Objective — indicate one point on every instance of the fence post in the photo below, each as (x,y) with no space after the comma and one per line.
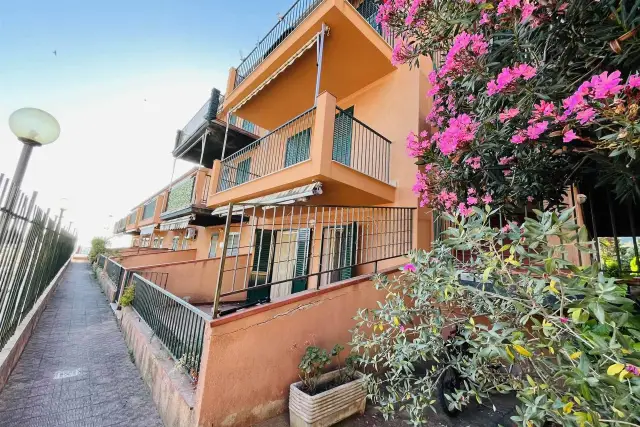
(218,289)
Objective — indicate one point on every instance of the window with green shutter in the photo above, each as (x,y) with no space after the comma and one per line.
(261,259)
(297,149)
(149,209)
(232,119)
(302,261)
(242,174)
(342,136)
(248,126)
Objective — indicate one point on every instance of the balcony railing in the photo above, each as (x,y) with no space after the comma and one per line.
(285,26)
(101,261)
(179,325)
(181,195)
(290,246)
(286,146)
(359,147)
(368,9)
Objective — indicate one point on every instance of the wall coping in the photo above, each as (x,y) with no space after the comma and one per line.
(193,261)
(300,296)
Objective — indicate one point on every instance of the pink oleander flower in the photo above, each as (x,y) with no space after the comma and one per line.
(464,210)
(507,5)
(632,369)
(535,130)
(530,198)
(634,81)
(518,138)
(461,130)
(507,76)
(447,199)
(508,114)
(473,162)
(527,11)
(402,328)
(484,18)
(506,228)
(472,200)
(410,267)
(586,116)
(471,98)
(402,52)
(569,136)
(564,320)
(464,53)
(506,160)
(471,191)
(487,198)
(543,109)
(605,84)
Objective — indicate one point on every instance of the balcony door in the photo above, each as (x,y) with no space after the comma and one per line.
(338,253)
(297,149)
(342,137)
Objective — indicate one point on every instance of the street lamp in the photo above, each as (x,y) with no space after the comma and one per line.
(34,128)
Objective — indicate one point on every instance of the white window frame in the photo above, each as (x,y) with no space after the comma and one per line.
(233,245)
(175,243)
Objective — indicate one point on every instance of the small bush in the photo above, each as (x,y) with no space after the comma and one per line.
(128,295)
(98,247)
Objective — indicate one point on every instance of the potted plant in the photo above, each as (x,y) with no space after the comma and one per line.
(322,399)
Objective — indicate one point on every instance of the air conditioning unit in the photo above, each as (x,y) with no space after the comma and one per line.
(191,233)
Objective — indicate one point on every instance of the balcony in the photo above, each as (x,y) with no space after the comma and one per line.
(277,80)
(208,123)
(132,222)
(186,203)
(120,226)
(324,144)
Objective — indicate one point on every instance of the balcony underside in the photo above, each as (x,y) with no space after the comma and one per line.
(354,57)
(199,216)
(191,149)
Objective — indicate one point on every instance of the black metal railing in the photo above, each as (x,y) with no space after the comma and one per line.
(116,273)
(286,146)
(33,249)
(368,9)
(179,325)
(359,147)
(290,248)
(101,260)
(285,26)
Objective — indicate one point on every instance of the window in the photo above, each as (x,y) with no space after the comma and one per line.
(234,244)
(248,126)
(174,244)
(242,174)
(233,119)
(185,243)
(297,148)
(213,246)
(149,209)
(161,242)
(342,137)
(146,241)
(225,180)
(155,242)
(135,242)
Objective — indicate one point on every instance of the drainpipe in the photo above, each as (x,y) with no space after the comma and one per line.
(319,51)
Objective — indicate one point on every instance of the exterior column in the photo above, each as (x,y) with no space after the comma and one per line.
(322,138)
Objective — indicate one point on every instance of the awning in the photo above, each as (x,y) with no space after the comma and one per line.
(280,198)
(275,74)
(176,224)
(146,231)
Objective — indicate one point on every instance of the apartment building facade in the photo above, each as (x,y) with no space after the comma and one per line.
(301,190)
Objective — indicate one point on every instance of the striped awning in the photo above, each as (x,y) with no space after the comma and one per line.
(283,67)
(280,198)
(176,224)
(147,230)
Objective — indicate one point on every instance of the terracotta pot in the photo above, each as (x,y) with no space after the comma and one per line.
(329,407)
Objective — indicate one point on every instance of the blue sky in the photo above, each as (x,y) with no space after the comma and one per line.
(127,74)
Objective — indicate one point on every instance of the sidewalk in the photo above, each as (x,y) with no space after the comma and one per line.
(76,369)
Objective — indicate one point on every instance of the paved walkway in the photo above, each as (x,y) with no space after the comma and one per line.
(76,369)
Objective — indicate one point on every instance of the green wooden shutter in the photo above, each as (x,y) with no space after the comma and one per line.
(242,174)
(232,119)
(342,137)
(347,252)
(302,260)
(261,256)
(297,149)
(225,181)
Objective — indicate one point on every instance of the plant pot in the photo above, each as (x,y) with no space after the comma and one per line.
(330,406)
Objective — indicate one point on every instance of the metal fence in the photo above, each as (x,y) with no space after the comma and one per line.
(286,146)
(278,250)
(179,325)
(285,26)
(101,260)
(359,147)
(611,227)
(33,248)
(116,273)
(368,9)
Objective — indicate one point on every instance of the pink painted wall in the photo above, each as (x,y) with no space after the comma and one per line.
(251,357)
(161,257)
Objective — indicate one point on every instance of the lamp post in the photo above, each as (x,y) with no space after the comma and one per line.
(34,128)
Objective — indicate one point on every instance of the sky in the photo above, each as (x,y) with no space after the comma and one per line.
(121,77)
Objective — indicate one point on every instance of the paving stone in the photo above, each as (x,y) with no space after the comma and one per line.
(75,370)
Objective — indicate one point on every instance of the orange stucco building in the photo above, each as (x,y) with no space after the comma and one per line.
(301,189)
